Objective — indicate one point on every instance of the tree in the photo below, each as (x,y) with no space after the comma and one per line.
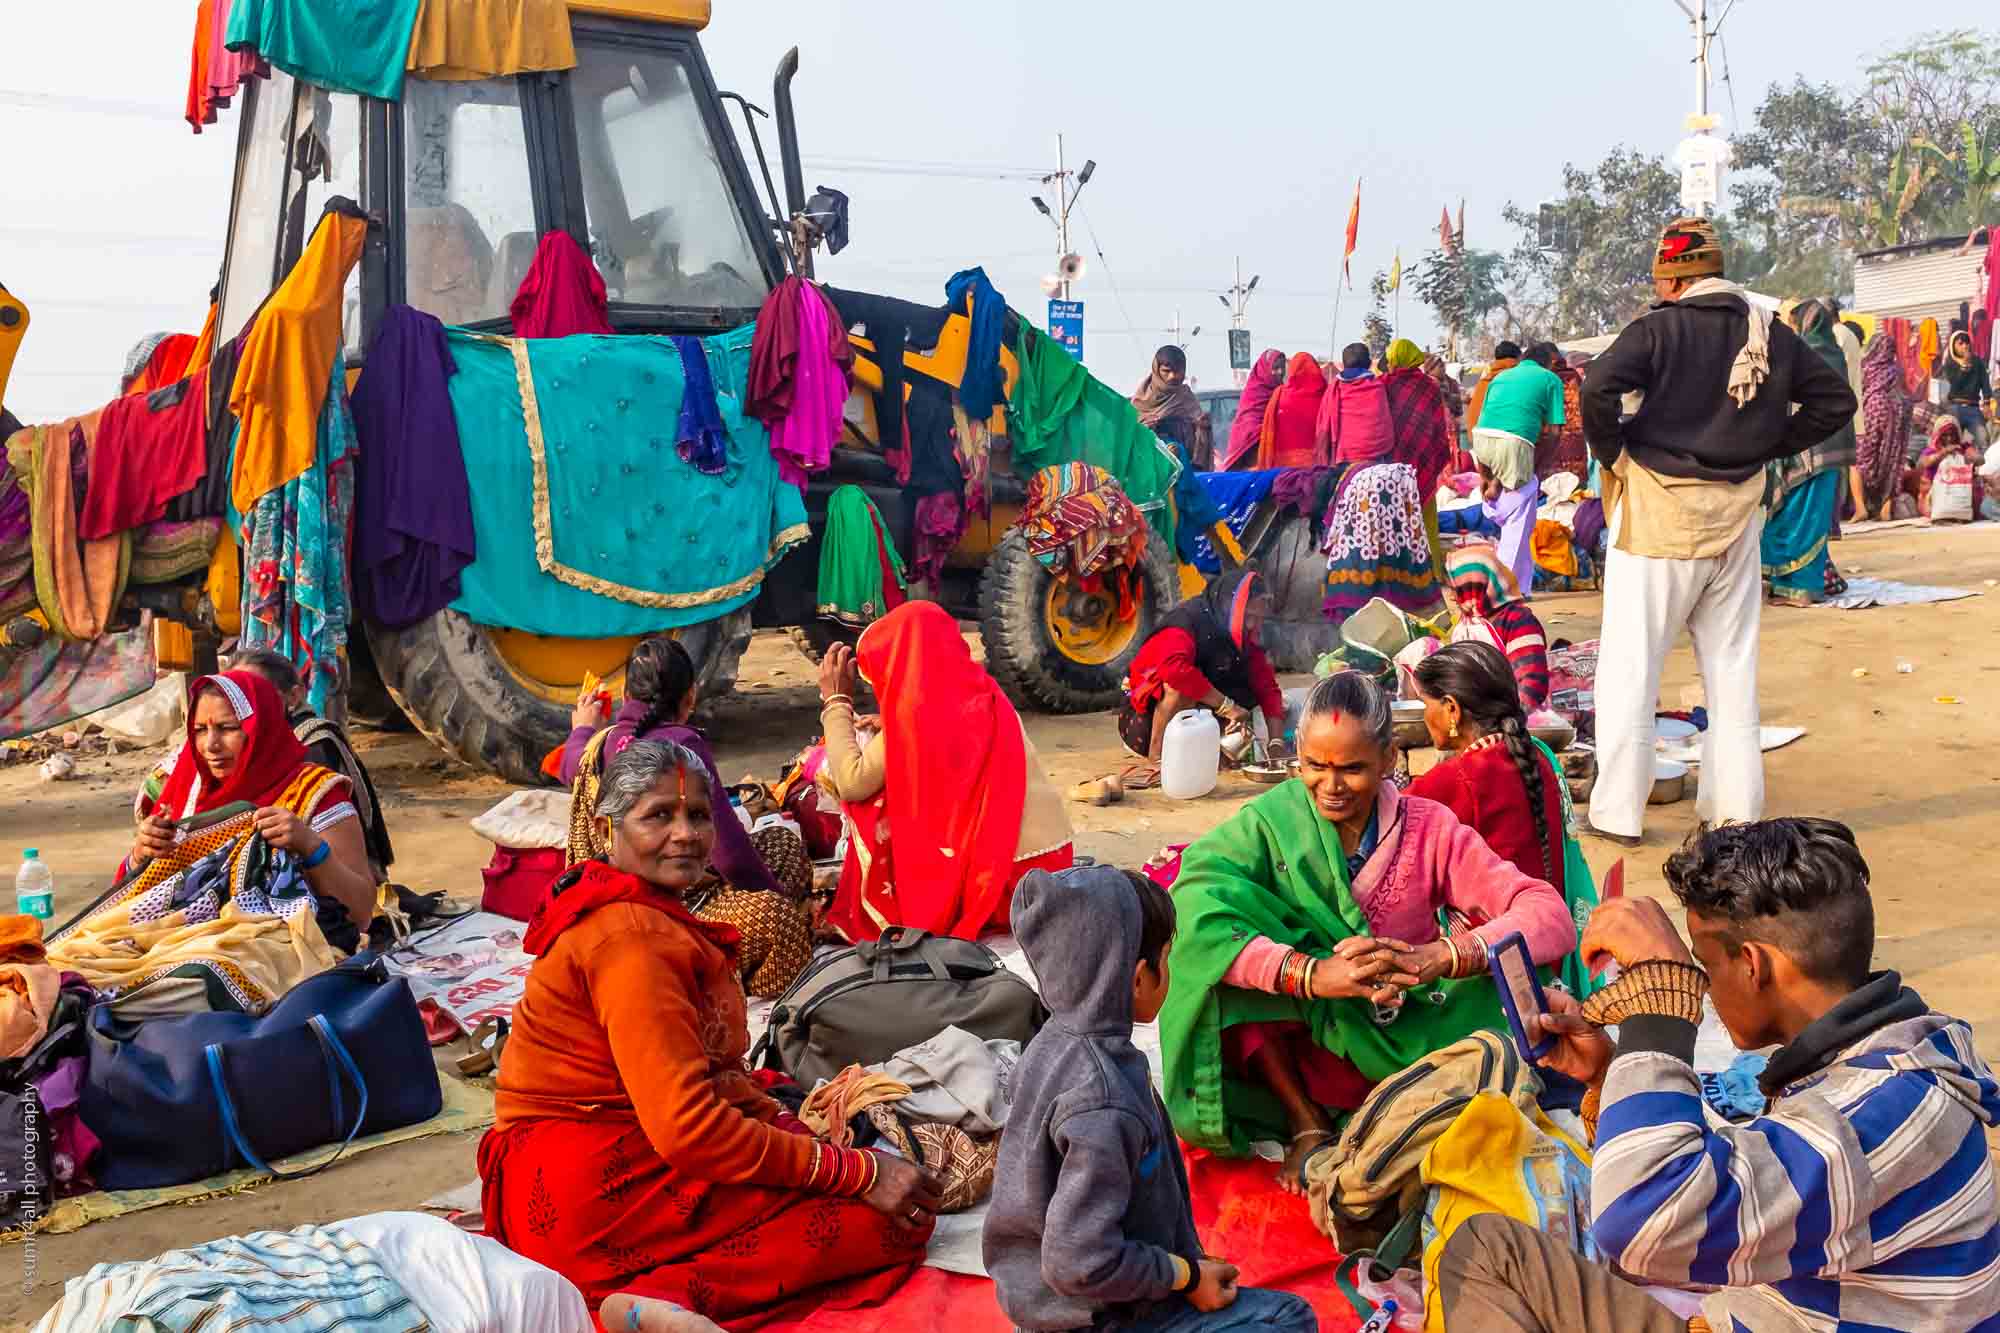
(1816,153)
(1599,273)
(1975,174)
(1376,330)
(1462,287)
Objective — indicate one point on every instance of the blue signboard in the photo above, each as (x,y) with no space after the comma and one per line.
(1066,325)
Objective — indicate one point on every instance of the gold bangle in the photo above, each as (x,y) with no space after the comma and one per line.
(1451,970)
(832,699)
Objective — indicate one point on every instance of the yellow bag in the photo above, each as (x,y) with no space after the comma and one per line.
(1497,1158)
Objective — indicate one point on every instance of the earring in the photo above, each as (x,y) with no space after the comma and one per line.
(1454,731)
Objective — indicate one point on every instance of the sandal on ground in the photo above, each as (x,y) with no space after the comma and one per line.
(1098,791)
(1140,777)
(488,1040)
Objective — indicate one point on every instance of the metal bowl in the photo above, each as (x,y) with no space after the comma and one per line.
(1268,774)
(1555,733)
(1407,716)
(1670,782)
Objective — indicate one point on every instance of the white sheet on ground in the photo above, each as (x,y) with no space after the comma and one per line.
(1862,593)
(1687,749)
(466,1283)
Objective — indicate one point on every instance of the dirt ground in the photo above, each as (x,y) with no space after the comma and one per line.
(1916,778)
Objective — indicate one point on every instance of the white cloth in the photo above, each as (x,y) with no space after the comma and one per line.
(1752,365)
(469,1284)
(1646,603)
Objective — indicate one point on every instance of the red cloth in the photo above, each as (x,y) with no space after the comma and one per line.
(563,293)
(518,879)
(956,783)
(1354,425)
(1422,425)
(167,365)
(606,1211)
(1329,1080)
(144,455)
(774,352)
(1292,417)
(271,757)
(1484,789)
(1167,661)
(1982,330)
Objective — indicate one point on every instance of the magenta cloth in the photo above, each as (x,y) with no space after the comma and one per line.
(941,521)
(1982,330)
(413,535)
(802,439)
(229,70)
(1329,1080)
(71,1146)
(1355,424)
(563,293)
(734,858)
(1515,512)
(1249,423)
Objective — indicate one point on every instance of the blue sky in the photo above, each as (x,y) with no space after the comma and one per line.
(1216,135)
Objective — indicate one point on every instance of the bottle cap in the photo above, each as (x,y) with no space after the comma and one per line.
(31,854)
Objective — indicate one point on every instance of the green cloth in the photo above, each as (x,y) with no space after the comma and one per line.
(353,46)
(1058,413)
(1522,400)
(851,553)
(623,507)
(1579,893)
(1276,869)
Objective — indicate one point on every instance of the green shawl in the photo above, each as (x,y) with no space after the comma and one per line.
(852,552)
(1277,870)
(1058,413)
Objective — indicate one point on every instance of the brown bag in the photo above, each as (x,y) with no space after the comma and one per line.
(1369,1176)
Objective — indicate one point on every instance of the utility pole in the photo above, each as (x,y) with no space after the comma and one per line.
(1192,333)
(1702,157)
(1067,185)
(1237,300)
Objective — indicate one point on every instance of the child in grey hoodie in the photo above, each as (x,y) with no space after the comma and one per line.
(1091,1226)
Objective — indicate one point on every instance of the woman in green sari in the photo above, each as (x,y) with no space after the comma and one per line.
(1803,491)
(1309,964)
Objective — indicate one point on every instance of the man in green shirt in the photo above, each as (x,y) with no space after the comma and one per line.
(1519,404)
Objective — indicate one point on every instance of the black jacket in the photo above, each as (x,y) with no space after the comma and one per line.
(1678,354)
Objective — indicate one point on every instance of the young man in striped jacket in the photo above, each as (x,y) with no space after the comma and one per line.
(1862,1198)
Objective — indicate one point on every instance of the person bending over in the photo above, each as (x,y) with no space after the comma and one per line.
(1862,1198)
(1208,653)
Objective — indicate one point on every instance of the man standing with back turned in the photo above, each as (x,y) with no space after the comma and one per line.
(1684,485)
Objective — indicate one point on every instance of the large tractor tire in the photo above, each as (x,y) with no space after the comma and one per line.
(1297,633)
(815,638)
(448,675)
(368,699)
(1053,646)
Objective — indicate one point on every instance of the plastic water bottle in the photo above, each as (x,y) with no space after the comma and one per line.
(1382,1319)
(35,887)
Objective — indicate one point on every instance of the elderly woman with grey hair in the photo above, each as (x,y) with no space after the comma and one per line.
(1309,964)
(631,1150)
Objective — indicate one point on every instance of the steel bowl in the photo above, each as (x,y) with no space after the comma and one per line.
(1670,782)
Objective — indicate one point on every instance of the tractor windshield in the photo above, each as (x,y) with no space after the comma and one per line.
(467,196)
(665,228)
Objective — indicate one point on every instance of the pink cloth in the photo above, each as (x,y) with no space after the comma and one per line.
(1248,425)
(1256,968)
(1355,424)
(803,438)
(1982,331)
(229,70)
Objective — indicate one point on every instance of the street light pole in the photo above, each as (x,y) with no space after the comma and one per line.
(1067,185)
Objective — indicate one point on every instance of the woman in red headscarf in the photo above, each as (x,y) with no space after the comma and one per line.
(950,771)
(1292,419)
(199,909)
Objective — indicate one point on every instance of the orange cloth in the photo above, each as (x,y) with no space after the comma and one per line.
(631,1015)
(200,97)
(484,39)
(21,939)
(1290,422)
(27,998)
(287,357)
(1554,551)
(204,342)
(83,580)
(1927,347)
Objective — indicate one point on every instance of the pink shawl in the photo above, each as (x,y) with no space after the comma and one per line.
(1249,423)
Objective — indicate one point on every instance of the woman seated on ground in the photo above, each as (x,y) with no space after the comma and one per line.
(951,771)
(1491,610)
(1207,653)
(1308,966)
(241,786)
(1493,775)
(1947,441)
(631,1151)
(741,889)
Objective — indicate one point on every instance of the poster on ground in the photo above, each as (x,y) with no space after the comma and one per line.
(471,969)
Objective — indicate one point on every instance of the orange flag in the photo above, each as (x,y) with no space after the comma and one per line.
(1445,241)
(1353,230)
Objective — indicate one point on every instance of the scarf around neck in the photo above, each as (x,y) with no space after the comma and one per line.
(1752,365)
(1159,402)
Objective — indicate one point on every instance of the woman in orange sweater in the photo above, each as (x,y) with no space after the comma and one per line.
(631,1151)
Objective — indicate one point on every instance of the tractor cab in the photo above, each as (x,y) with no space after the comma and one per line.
(630,152)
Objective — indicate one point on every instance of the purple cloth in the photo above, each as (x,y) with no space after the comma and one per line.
(734,858)
(413,529)
(1515,512)
(71,1144)
(1589,526)
(700,438)
(941,520)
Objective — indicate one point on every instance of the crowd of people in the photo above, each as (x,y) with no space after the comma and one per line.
(1333,933)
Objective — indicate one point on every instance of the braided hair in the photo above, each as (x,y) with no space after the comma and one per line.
(659,674)
(1479,678)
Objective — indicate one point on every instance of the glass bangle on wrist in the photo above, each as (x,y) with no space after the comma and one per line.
(317,856)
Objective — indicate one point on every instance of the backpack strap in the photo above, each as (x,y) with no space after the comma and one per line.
(1392,1252)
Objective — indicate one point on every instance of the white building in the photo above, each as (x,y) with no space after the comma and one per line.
(1937,279)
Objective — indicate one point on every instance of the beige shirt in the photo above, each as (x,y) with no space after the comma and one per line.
(1676,518)
(852,773)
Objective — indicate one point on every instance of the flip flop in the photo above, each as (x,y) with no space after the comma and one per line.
(1140,777)
(488,1040)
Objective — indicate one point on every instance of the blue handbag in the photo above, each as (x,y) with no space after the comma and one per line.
(181,1099)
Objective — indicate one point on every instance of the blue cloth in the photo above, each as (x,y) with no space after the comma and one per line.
(1255,1309)
(701,438)
(1733,1092)
(1235,496)
(621,506)
(1194,512)
(979,389)
(1471,519)
(1795,536)
(355,46)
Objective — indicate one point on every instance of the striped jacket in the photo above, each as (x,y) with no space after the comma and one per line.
(1862,1199)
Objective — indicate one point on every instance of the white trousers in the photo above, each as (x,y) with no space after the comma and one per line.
(1646,603)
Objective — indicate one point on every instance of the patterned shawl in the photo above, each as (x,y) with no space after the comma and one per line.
(1885,414)
(1422,425)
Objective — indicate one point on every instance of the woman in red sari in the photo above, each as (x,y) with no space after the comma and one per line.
(950,770)
(631,1151)
(1291,420)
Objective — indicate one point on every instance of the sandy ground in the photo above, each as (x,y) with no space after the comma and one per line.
(1915,777)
